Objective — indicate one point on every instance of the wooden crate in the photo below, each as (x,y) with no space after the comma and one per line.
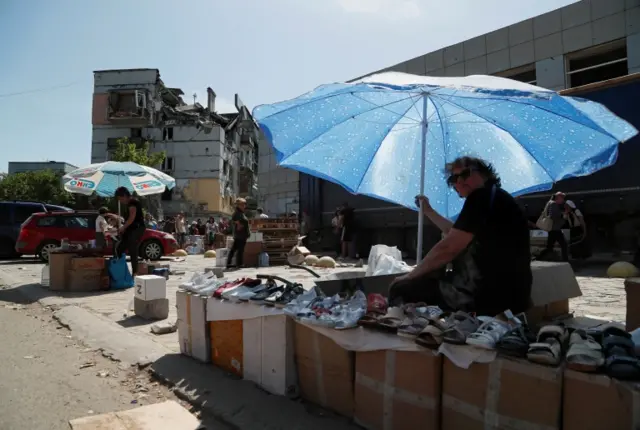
(227,345)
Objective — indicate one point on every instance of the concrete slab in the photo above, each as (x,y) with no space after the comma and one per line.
(167,415)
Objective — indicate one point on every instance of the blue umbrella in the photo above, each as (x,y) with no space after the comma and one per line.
(390,135)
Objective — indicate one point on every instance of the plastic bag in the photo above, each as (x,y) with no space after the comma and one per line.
(387,265)
(377,251)
(119,276)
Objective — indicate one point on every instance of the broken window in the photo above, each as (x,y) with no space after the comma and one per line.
(167,195)
(136,132)
(526,74)
(167,164)
(597,64)
(167,133)
(124,104)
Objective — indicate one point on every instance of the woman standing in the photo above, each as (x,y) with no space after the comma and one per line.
(132,230)
(102,226)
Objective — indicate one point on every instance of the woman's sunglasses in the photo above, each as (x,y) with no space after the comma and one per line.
(454,177)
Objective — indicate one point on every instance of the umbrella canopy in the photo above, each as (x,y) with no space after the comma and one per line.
(104,178)
(390,135)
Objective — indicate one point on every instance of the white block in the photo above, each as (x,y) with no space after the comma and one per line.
(150,287)
(256,236)
(268,358)
(193,328)
(221,257)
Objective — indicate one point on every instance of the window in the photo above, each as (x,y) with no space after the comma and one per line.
(167,133)
(136,132)
(167,164)
(526,74)
(76,222)
(23,212)
(167,195)
(597,64)
(48,221)
(125,104)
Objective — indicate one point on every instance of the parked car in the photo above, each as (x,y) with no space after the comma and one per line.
(12,215)
(43,232)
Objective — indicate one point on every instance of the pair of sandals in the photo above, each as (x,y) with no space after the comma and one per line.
(406,321)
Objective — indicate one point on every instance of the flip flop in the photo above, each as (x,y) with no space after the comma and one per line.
(392,320)
(584,354)
(547,349)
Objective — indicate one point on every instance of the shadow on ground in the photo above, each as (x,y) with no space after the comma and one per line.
(34,292)
(239,403)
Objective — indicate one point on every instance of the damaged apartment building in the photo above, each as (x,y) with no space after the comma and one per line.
(213,156)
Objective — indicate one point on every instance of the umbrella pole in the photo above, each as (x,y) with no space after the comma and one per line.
(423,162)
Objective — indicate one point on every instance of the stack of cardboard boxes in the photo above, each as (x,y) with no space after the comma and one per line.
(71,272)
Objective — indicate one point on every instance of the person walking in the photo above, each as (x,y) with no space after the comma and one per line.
(132,230)
(181,229)
(240,230)
(555,209)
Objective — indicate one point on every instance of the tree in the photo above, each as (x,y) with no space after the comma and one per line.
(38,186)
(129,151)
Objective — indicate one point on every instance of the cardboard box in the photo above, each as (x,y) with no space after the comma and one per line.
(632,288)
(325,371)
(297,253)
(251,254)
(268,356)
(85,280)
(87,263)
(504,394)
(553,285)
(597,402)
(193,329)
(227,347)
(59,266)
(150,287)
(143,268)
(397,390)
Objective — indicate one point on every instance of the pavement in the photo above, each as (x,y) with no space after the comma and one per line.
(49,377)
(105,321)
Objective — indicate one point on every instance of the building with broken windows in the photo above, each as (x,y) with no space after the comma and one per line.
(213,156)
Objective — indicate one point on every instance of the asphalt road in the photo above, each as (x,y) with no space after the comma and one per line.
(47,378)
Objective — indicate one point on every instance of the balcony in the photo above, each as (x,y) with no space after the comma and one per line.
(128,108)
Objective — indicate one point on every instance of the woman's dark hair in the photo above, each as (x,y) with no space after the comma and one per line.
(484,168)
(103,210)
(123,192)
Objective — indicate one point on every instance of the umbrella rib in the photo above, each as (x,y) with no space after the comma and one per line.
(378,149)
(389,110)
(444,145)
(506,131)
(345,120)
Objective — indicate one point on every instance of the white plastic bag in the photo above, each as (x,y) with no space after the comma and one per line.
(387,265)
(377,251)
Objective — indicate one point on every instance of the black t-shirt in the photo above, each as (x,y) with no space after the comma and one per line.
(139,219)
(348,217)
(502,252)
(240,225)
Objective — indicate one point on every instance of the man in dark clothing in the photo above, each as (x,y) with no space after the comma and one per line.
(556,211)
(241,232)
(488,246)
(348,228)
(132,230)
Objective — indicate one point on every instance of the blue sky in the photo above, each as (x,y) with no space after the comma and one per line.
(265,50)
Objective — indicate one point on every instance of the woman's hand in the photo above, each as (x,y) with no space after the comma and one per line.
(426,206)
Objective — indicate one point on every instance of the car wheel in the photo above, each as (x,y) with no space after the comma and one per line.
(151,250)
(45,248)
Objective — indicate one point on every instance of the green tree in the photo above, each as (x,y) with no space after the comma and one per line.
(39,186)
(129,151)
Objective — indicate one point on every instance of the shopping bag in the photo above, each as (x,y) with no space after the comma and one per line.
(119,276)
(545,222)
(387,265)
(375,254)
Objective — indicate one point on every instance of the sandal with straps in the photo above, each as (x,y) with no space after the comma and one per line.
(488,334)
(463,325)
(584,354)
(547,349)
(431,335)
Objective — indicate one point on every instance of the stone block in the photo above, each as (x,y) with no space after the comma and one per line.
(157,309)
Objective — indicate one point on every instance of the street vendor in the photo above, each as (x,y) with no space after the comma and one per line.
(241,232)
(488,247)
(132,230)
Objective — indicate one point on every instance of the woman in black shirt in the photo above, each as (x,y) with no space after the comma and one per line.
(132,230)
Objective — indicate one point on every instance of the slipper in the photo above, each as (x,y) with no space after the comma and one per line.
(488,334)
(547,349)
(412,327)
(392,320)
(622,362)
(463,324)
(584,354)
(369,320)
(515,343)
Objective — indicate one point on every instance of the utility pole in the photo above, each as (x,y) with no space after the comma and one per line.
(195,96)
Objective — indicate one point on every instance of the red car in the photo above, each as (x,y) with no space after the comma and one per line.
(43,232)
